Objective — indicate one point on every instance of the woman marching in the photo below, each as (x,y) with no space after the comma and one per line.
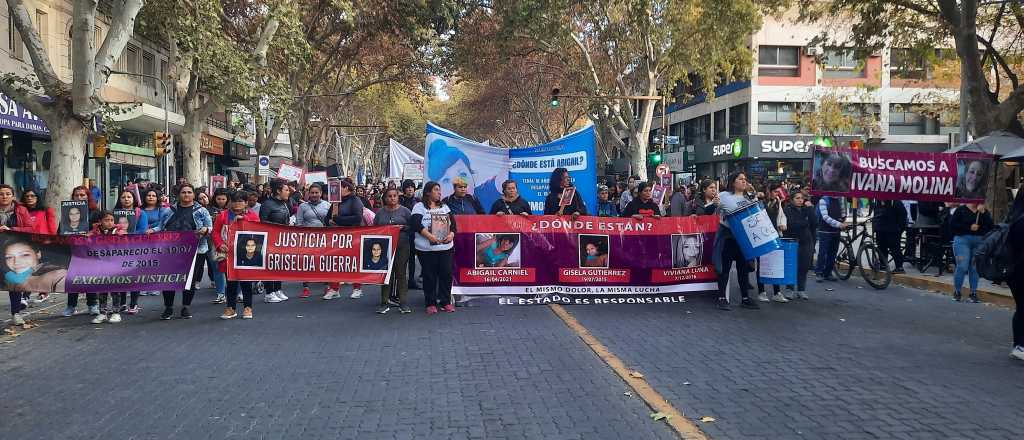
(727,250)
(239,210)
(558,183)
(315,212)
(393,213)
(156,215)
(43,222)
(276,210)
(777,215)
(187,216)
(218,203)
(80,194)
(801,222)
(14,217)
(969,224)
(510,203)
(435,231)
(127,201)
(348,213)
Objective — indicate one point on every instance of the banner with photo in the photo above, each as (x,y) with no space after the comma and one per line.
(590,260)
(269,252)
(97,264)
(901,175)
(449,155)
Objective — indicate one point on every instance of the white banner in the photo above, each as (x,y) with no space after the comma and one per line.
(398,156)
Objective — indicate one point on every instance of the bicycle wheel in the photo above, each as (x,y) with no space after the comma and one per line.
(844,260)
(873,268)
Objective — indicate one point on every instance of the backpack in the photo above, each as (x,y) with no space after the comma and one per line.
(994,257)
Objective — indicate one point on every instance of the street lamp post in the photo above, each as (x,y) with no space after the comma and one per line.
(167,126)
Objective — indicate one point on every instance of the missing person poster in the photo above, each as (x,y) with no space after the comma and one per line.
(101,263)
(590,260)
(334,191)
(900,175)
(74,217)
(269,252)
(125,219)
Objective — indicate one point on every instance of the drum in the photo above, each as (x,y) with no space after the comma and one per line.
(753,231)
(779,266)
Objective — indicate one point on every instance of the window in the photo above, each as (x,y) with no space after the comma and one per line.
(43,27)
(903,120)
(739,123)
(862,116)
(720,125)
(906,64)
(131,60)
(776,118)
(14,42)
(842,63)
(149,68)
(697,130)
(778,61)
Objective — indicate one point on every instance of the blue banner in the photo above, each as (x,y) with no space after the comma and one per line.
(449,155)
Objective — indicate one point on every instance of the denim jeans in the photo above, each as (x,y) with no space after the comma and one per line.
(828,245)
(219,280)
(963,249)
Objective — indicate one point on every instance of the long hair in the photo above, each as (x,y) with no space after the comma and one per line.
(838,160)
(136,203)
(146,194)
(961,180)
(555,182)
(39,202)
(427,189)
(730,181)
(88,193)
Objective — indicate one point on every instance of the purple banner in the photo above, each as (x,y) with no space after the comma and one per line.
(900,175)
(15,117)
(104,263)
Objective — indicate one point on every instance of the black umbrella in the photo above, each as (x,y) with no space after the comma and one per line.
(999,143)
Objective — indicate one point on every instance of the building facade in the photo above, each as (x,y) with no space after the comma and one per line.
(752,125)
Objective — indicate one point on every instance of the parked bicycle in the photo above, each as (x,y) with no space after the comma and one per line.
(857,250)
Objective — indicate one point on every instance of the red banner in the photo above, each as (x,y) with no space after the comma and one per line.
(269,252)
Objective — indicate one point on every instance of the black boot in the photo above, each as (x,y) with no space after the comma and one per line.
(957,297)
(974,297)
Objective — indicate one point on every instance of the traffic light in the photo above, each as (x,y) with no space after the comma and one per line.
(655,158)
(100,146)
(554,97)
(161,143)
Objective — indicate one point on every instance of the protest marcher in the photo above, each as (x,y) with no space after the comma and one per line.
(777,215)
(127,201)
(706,202)
(434,247)
(558,183)
(276,210)
(605,206)
(461,202)
(315,212)
(348,213)
(801,222)
(210,264)
(643,205)
(156,214)
(218,203)
(832,215)
(392,213)
(727,250)
(969,224)
(14,217)
(187,216)
(626,195)
(43,222)
(81,193)
(680,202)
(408,200)
(888,222)
(107,226)
(253,201)
(239,210)
(510,203)
(1015,220)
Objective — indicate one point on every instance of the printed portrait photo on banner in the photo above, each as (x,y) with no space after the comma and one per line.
(375,250)
(593,250)
(971,178)
(31,266)
(833,171)
(125,220)
(74,217)
(687,250)
(250,250)
(497,250)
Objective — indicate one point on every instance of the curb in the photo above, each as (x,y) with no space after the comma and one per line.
(925,282)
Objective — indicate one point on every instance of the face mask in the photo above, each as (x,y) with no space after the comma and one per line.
(14,278)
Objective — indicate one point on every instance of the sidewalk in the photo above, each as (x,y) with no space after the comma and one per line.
(987,291)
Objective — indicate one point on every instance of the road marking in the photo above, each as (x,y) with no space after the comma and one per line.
(679,423)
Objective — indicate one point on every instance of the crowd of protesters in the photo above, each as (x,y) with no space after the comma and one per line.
(814,223)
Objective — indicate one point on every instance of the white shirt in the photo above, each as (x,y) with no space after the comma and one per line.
(422,244)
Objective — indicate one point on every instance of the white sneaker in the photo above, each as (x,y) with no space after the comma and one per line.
(19,319)
(270,297)
(332,294)
(99,319)
(763,297)
(1017,353)
(356,293)
(115,318)
(281,296)
(779,298)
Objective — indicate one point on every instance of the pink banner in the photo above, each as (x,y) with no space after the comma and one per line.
(901,175)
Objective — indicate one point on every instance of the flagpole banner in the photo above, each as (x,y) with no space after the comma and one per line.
(269,252)
(97,264)
(590,260)
(576,152)
(450,155)
(960,177)
(398,156)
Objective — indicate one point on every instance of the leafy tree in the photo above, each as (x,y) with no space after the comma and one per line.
(69,108)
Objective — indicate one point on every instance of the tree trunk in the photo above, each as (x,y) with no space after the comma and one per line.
(190,154)
(68,138)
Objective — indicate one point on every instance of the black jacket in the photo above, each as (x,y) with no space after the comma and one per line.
(636,206)
(275,211)
(963,218)
(467,205)
(576,206)
(890,216)
(517,206)
(349,212)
